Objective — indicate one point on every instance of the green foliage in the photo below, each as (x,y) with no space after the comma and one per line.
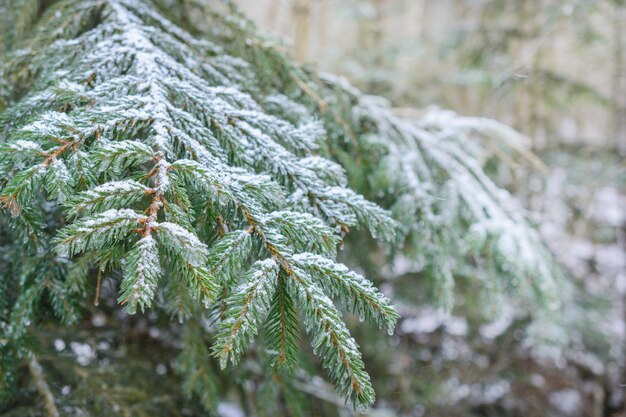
(198,377)
(245,309)
(211,181)
(281,327)
(139,141)
(354,290)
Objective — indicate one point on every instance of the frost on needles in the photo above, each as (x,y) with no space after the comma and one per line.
(164,167)
(129,145)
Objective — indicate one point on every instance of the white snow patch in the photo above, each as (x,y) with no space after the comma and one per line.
(83,352)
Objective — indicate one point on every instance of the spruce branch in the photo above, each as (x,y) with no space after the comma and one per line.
(331,341)
(98,231)
(246,309)
(300,232)
(224,258)
(354,290)
(107,196)
(167,166)
(117,156)
(282,331)
(141,274)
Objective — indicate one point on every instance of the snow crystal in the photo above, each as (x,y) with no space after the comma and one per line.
(456,326)
(51,124)
(25,145)
(268,263)
(121,187)
(538,380)
(109,216)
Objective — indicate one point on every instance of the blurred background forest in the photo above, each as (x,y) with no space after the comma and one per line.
(556,72)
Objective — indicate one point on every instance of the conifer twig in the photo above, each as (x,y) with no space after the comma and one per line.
(96,300)
(42,386)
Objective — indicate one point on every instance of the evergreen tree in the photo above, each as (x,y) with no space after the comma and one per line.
(215,180)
